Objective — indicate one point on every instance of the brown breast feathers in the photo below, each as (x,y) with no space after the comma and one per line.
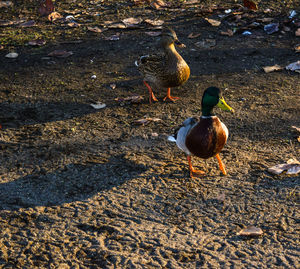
(207,138)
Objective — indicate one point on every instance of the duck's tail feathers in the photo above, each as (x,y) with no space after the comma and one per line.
(172,138)
(141,60)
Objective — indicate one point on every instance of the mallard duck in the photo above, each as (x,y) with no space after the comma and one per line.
(165,70)
(206,137)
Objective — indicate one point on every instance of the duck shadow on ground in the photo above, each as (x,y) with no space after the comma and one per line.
(72,183)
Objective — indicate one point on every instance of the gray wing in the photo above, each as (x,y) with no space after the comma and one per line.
(181,133)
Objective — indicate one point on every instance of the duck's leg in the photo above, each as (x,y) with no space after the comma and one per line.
(172,98)
(151,94)
(192,170)
(221,165)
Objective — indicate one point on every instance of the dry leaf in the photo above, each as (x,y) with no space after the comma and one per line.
(154,22)
(73,24)
(132,99)
(98,105)
(113,86)
(297,33)
(275,67)
(228,32)
(207,43)
(5,4)
(250,4)
(265,19)
(153,33)
(94,29)
(213,22)
(129,22)
(158,4)
(28,24)
(296,128)
(192,35)
(292,167)
(54,16)
(297,48)
(293,66)
(60,53)
(145,121)
(37,42)
(250,231)
(6,22)
(1,47)
(12,55)
(118,25)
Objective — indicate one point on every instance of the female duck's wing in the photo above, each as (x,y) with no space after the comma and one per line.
(151,64)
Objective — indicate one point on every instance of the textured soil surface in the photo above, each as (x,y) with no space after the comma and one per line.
(88,188)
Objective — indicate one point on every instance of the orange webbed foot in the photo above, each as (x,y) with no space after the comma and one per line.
(221,165)
(194,172)
(172,98)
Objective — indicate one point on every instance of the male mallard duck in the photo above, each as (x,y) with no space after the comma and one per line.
(206,137)
(165,70)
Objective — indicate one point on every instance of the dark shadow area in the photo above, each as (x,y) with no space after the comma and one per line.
(72,183)
(14,115)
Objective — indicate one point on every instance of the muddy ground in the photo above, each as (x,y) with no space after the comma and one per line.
(87,188)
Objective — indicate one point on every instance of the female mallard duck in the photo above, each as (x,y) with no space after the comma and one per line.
(165,70)
(207,137)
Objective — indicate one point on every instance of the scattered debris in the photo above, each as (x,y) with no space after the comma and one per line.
(73,24)
(154,22)
(297,33)
(158,4)
(206,43)
(53,16)
(94,29)
(153,33)
(5,4)
(245,33)
(154,134)
(131,99)
(228,32)
(292,166)
(275,67)
(12,55)
(113,86)
(271,28)
(192,35)
(113,37)
(227,11)
(117,25)
(98,105)
(1,47)
(293,13)
(297,129)
(132,22)
(60,53)
(28,24)
(213,22)
(93,77)
(37,42)
(294,67)
(146,121)
(251,231)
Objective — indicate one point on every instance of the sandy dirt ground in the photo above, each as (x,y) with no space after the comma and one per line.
(88,188)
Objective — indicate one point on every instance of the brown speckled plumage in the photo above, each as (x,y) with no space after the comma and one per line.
(167,69)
